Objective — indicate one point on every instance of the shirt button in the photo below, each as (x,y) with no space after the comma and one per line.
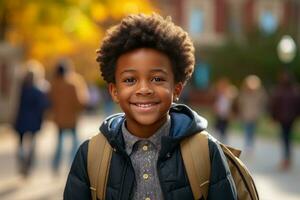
(147,198)
(145,148)
(145,176)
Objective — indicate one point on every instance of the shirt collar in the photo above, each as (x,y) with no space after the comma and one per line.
(130,139)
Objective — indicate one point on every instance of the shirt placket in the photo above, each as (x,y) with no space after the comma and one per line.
(146,155)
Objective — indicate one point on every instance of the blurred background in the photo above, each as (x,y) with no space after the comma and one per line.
(246,83)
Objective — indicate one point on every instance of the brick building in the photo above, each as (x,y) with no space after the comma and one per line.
(211,22)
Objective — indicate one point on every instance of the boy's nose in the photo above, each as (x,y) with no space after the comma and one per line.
(144,89)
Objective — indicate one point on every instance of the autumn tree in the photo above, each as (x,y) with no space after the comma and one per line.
(49,29)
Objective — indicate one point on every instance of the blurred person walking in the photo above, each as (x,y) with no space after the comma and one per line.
(94,98)
(225,94)
(32,106)
(251,104)
(108,104)
(68,95)
(285,109)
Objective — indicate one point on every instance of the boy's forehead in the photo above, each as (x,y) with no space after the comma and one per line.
(145,52)
(147,58)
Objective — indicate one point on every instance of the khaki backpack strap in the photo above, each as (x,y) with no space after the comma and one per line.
(99,156)
(195,154)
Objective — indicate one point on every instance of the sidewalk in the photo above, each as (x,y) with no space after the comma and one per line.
(42,184)
(271,183)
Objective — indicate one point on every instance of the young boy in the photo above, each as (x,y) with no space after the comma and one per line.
(146,61)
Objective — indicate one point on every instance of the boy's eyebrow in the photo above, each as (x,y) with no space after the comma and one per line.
(160,69)
(128,71)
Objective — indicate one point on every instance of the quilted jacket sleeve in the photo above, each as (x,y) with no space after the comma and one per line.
(77,186)
(221,183)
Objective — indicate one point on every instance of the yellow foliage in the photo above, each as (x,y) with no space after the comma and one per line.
(50,40)
(49,29)
(30,13)
(81,27)
(99,12)
(122,8)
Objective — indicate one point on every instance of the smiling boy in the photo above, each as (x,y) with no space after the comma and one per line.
(146,61)
(145,90)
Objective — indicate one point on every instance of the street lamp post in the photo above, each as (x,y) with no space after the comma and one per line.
(286,49)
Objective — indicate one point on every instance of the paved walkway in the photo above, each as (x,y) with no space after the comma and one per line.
(42,184)
(271,182)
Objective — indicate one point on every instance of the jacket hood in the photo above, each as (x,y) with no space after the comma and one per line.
(184,122)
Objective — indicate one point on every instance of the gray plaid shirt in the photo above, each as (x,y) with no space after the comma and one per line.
(143,154)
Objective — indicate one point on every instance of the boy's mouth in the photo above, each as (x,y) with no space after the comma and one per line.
(145,105)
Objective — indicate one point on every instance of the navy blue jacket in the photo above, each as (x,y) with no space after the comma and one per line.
(171,171)
(33,104)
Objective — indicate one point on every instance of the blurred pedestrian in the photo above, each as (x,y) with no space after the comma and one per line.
(68,97)
(94,98)
(32,106)
(285,109)
(225,94)
(251,105)
(108,104)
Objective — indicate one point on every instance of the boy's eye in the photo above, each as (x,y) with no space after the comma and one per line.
(129,80)
(157,79)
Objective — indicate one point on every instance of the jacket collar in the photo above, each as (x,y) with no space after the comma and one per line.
(130,140)
(184,122)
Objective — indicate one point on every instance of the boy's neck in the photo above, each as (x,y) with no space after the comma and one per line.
(145,131)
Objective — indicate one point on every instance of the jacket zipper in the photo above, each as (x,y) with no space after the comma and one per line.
(122,182)
(128,164)
(159,178)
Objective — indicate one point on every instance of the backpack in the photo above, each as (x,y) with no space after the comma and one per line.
(195,152)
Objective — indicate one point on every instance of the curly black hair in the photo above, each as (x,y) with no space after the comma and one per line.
(147,31)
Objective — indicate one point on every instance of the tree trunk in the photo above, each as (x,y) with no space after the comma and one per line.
(3,23)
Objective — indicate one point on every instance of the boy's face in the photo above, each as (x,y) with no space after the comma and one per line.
(144,89)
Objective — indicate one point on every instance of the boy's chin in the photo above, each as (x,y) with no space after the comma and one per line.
(145,120)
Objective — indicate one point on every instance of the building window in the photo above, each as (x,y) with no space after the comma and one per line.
(196,23)
(268,22)
(202,75)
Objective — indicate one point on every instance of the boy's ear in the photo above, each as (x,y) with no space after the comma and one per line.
(113,92)
(177,90)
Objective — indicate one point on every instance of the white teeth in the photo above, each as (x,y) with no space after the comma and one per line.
(144,105)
